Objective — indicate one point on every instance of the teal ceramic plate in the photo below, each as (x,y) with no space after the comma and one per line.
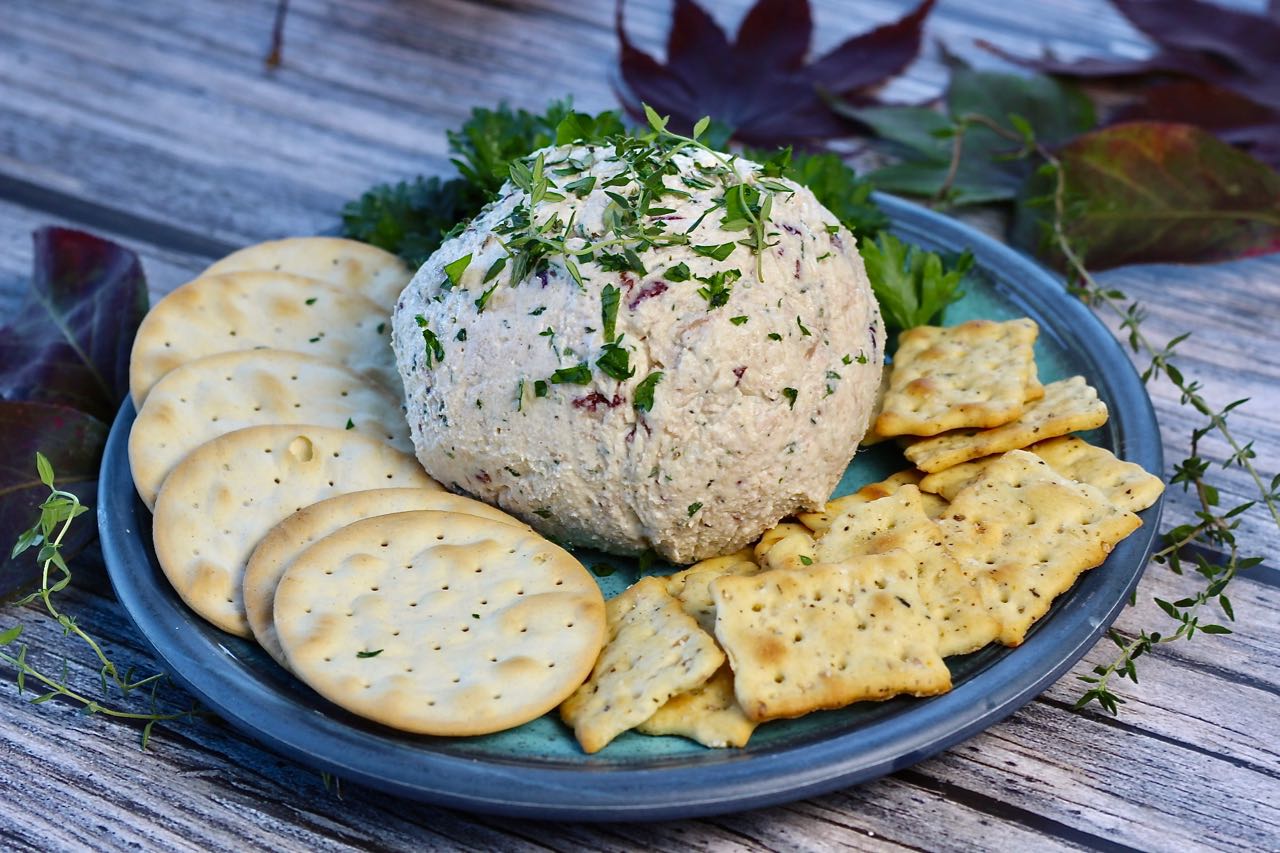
(537,770)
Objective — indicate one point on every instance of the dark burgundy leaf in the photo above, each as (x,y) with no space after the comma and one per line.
(69,342)
(73,442)
(758,84)
(1231,117)
(1152,192)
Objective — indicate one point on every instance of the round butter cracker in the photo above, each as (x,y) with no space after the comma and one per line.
(438,623)
(365,269)
(278,549)
(254,310)
(221,393)
(219,502)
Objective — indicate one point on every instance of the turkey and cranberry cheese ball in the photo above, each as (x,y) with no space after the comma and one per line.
(647,345)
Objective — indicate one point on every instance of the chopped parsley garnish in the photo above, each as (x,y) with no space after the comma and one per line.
(453,271)
(680,272)
(316,339)
(791,394)
(311,301)
(644,391)
(804,333)
(484,299)
(548,332)
(616,362)
(848,359)
(461,336)
(717,287)
(494,268)
(539,388)
(475,615)
(537,311)
(823,256)
(520,396)
(372,654)
(719,253)
(862,358)
(694,507)
(382,327)
(579,374)
(625,261)
(609,298)
(435,350)
(350,424)
(774,336)
(738,321)
(806,561)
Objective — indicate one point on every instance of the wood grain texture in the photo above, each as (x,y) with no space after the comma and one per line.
(156,124)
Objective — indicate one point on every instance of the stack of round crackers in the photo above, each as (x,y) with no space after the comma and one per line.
(271,446)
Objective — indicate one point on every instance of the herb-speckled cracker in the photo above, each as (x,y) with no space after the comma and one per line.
(1068,405)
(709,714)
(691,587)
(219,502)
(1027,533)
(249,310)
(818,522)
(948,589)
(356,266)
(793,551)
(277,550)
(828,636)
(976,374)
(1127,485)
(438,623)
(217,394)
(654,651)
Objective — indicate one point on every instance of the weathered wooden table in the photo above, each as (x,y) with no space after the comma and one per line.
(157,124)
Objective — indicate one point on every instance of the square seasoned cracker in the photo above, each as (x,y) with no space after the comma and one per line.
(1127,485)
(790,552)
(819,521)
(654,650)
(1027,533)
(828,635)
(976,374)
(691,587)
(949,482)
(1068,405)
(709,714)
(949,589)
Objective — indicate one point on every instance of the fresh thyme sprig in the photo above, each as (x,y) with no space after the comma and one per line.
(56,514)
(1215,527)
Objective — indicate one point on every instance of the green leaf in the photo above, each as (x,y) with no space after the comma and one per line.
(609,298)
(644,391)
(615,361)
(1149,192)
(10,634)
(680,272)
(657,122)
(912,286)
(44,469)
(719,253)
(454,269)
(579,374)
(411,218)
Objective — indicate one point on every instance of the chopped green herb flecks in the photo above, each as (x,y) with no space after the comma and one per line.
(615,361)
(311,301)
(804,332)
(484,299)
(609,298)
(806,561)
(537,311)
(644,391)
(694,507)
(719,253)
(372,654)
(680,272)
(453,271)
(461,336)
(862,358)
(738,321)
(579,374)
(539,388)
(495,268)
(791,394)
(382,328)
(774,336)
(350,424)
(435,350)
(848,359)
(717,287)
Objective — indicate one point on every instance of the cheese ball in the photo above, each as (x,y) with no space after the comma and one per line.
(642,347)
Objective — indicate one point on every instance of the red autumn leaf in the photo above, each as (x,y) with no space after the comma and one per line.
(759,84)
(1151,192)
(1229,48)
(1230,117)
(73,443)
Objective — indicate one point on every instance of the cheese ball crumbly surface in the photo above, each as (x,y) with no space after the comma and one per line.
(642,345)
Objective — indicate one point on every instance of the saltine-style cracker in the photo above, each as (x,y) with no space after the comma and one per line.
(219,502)
(976,374)
(820,521)
(949,590)
(251,310)
(1068,405)
(439,623)
(692,586)
(793,551)
(828,635)
(654,651)
(359,267)
(217,394)
(284,542)
(1027,533)
(709,714)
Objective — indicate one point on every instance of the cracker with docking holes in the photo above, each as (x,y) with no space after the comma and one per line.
(793,551)
(709,714)
(1027,533)
(820,521)
(359,267)
(976,374)
(779,531)
(252,310)
(828,635)
(439,623)
(221,393)
(277,550)
(1068,405)
(691,587)
(219,502)
(948,589)
(654,651)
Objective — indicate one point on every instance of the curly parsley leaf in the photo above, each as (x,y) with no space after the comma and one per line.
(912,286)
(412,218)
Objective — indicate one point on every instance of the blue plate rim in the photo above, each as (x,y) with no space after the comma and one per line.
(695,787)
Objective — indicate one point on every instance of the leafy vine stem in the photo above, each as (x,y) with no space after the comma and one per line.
(1214,528)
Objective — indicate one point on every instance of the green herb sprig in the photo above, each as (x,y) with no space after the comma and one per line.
(57,513)
(1215,527)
